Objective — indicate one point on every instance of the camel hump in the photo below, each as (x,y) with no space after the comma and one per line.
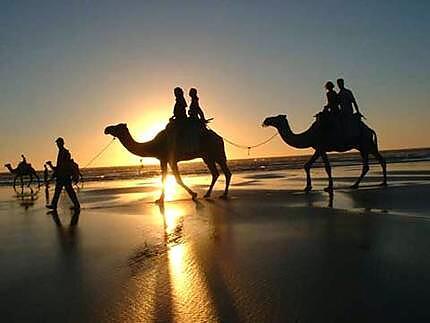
(186,136)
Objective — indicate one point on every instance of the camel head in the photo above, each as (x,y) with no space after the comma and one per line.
(9,167)
(117,131)
(276,121)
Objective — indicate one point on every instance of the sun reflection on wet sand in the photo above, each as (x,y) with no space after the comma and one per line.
(190,296)
(170,187)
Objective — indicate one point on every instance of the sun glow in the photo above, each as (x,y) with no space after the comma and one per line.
(146,131)
(150,131)
(170,187)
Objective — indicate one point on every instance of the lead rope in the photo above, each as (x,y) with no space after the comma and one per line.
(248,148)
(97,156)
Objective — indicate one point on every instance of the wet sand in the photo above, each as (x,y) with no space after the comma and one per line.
(268,254)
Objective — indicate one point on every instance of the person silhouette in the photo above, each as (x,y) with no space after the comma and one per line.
(346,99)
(177,122)
(45,174)
(195,112)
(63,175)
(179,110)
(332,99)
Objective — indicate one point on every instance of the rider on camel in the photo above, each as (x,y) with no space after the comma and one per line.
(195,111)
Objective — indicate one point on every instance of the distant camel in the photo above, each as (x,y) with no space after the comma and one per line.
(211,150)
(23,169)
(317,138)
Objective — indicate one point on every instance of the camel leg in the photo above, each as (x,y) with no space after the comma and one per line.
(328,170)
(215,174)
(30,180)
(227,174)
(383,164)
(163,166)
(21,179)
(178,178)
(308,166)
(14,182)
(365,161)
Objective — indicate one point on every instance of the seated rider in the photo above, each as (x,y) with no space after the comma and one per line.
(177,121)
(332,99)
(179,110)
(195,112)
(350,121)
(346,100)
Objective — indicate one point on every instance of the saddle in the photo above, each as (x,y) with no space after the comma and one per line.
(184,136)
(339,127)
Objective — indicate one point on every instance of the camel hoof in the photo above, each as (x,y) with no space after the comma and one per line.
(207,195)
(223,197)
(384,184)
(194,196)
(328,189)
(354,187)
(308,189)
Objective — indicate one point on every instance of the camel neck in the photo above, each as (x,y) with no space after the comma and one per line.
(292,139)
(143,149)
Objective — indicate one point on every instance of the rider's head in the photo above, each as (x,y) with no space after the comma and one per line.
(329,85)
(340,83)
(193,92)
(178,92)
(60,142)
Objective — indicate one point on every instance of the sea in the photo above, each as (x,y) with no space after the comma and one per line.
(241,165)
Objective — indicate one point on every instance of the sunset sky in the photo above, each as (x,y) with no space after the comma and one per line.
(69,68)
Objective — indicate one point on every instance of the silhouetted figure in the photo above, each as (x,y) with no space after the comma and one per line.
(45,175)
(177,122)
(23,169)
(332,99)
(315,137)
(195,111)
(179,110)
(24,160)
(346,99)
(63,173)
(140,171)
(211,150)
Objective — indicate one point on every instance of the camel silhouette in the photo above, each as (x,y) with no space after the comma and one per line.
(211,150)
(317,138)
(23,169)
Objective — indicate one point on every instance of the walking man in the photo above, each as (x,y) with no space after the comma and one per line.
(63,175)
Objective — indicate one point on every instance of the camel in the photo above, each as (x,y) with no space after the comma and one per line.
(322,143)
(23,169)
(211,150)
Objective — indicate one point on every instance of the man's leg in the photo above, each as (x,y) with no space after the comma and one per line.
(71,192)
(55,198)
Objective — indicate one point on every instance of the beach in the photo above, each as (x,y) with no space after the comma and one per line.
(270,253)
